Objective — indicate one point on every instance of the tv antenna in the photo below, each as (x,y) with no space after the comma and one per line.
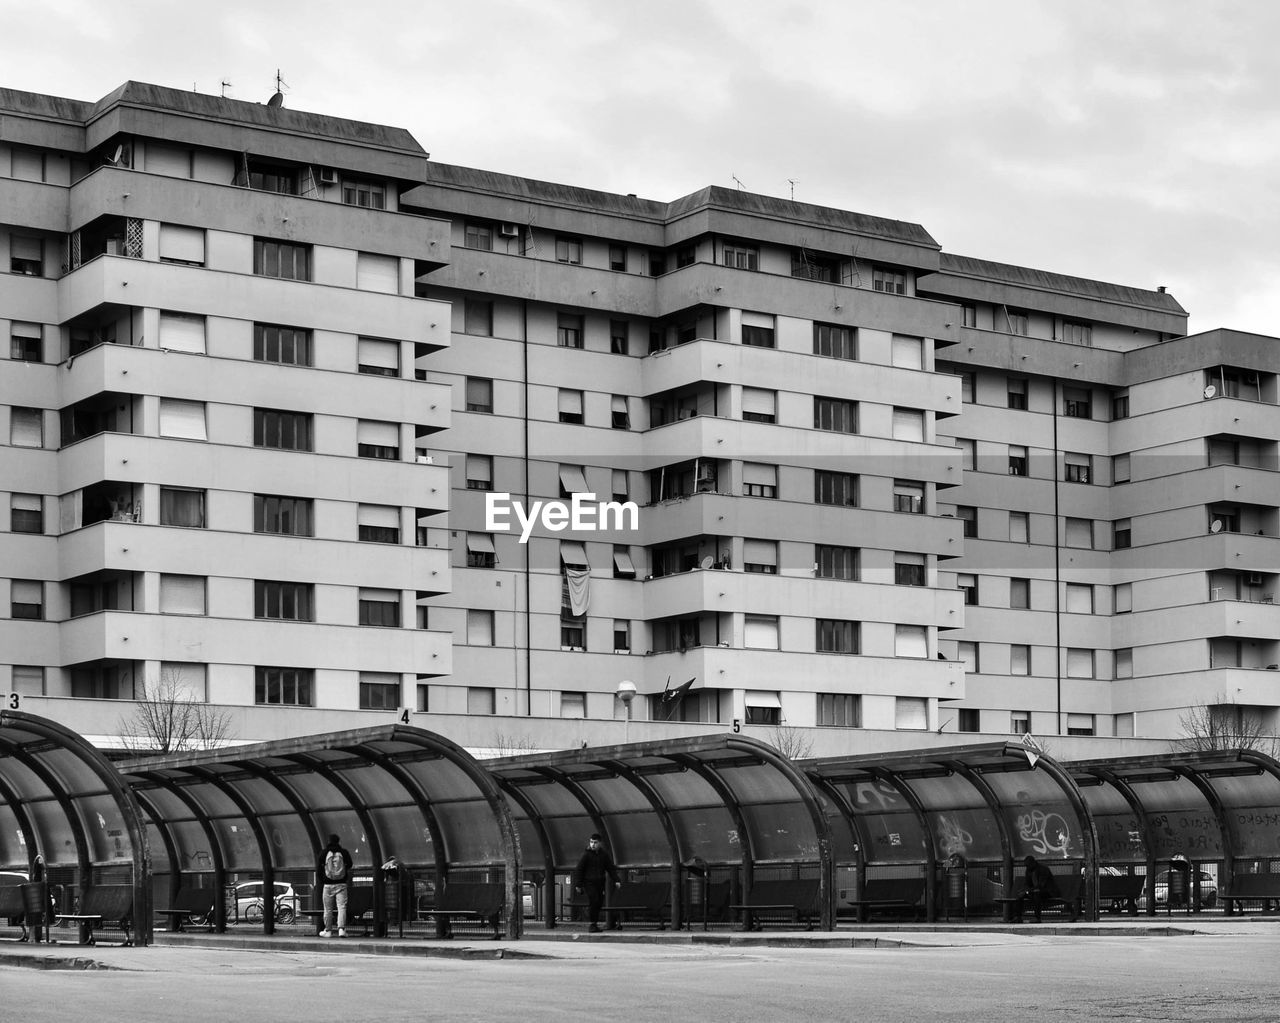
(792,181)
(225,86)
(278,99)
(741,186)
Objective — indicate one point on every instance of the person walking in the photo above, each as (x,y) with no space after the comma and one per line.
(589,877)
(333,871)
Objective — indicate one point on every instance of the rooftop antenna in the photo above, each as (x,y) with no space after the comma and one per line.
(225,86)
(741,186)
(278,99)
(793,188)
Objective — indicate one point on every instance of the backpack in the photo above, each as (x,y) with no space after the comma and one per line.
(334,868)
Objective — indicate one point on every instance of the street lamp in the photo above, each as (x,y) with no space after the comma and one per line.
(626,693)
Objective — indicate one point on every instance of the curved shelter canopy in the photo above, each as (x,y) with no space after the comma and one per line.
(269,808)
(728,809)
(66,815)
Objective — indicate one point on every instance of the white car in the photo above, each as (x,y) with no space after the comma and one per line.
(249,902)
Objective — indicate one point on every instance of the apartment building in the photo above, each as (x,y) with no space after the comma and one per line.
(278,381)
(210,411)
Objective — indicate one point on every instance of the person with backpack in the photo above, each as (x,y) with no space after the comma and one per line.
(333,871)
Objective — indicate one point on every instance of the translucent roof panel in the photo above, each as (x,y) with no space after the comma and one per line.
(781,832)
(707,833)
(1042,821)
(13,850)
(1120,833)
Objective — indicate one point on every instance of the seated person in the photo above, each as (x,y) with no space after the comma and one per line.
(1039,886)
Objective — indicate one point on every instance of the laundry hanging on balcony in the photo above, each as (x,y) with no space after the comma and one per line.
(578,583)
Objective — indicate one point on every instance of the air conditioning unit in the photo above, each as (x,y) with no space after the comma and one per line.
(426,460)
(509,230)
(328,176)
(1253,579)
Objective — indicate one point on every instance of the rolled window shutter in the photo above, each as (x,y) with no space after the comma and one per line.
(182,244)
(386,435)
(182,419)
(22,247)
(181,333)
(182,594)
(378,273)
(378,515)
(759,401)
(379,354)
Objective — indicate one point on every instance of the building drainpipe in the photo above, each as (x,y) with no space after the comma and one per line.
(528,638)
(1057,558)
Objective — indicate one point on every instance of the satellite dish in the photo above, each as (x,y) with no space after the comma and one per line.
(114,158)
(707,562)
(277,100)
(1210,391)
(1215,526)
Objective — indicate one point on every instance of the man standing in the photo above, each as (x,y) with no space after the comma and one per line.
(333,871)
(593,869)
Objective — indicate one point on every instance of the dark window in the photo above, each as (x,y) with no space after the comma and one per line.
(479,393)
(182,507)
(380,609)
(839,709)
(763,715)
(757,336)
(267,177)
(967,719)
(835,414)
(1017,393)
(834,342)
(23,348)
(26,599)
(618,337)
(839,488)
(26,513)
(380,695)
(968,585)
(1120,406)
(287,686)
(686,256)
(569,331)
(836,562)
(478,236)
(568,250)
(741,257)
(378,534)
(291,602)
(1077,403)
(836,636)
(289,516)
(907,574)
(290,431)
(1122,534)
(969,516)
(618,257)
(908,497)
(281,259)
(477,317)
(888,280)
(290,346)
(364,193)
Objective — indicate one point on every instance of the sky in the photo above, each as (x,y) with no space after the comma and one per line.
(1132,141)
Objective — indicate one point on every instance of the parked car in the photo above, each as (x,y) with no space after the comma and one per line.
(1208,891)
(248,903)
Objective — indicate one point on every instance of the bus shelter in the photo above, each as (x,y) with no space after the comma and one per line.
(261,814)
(68,821)
(700,820)
(1189,824)
(952,824)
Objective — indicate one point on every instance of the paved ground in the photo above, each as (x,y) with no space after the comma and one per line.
(1217,971)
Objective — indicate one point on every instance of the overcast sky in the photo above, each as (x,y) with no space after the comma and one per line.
(1131,141)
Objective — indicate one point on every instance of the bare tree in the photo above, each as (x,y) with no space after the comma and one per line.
(170,717)
(793,743)
(511,744)
(1224,725)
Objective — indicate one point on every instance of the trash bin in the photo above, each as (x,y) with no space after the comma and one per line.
(1179,888)
(36,909)
(395,900)
(957,886)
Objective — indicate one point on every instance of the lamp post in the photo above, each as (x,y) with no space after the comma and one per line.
(626,693)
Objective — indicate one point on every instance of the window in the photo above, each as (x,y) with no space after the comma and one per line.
(1080,724)
(182,594)
(1080,663)
(758,330)
(759,405)
(183,245)
(1017,460)
(1019,659)
(838,488)
(619,337)
(968,515)
(26,342)
(379,690)
(481,700)
(1019,593)
(28,680)
(686,255)
(26,255)
(569,330)
(840,710)
(288,431)
(1077,334)
(911,712)
(760,632)
(1124,662)
(834,342)
(182,419)
(380,608)
(1121,534)
(1123,600)
(182,507)
(968,453)
(967,654)
(1077,403)
(26,513)
(835,414)
(888,280)
(481,552)
(618,258)
(479,394)
(28,164)
(623,566)
(573,632)
(479,627)
(968,585)
(573,481)
(479,472)
(741,257)
(477,317)
(1079,599)
(620,418)
(573,705)
(1017,391)
(377,440)
(368,194)
(288,346)
(289,602)
(910,641)
(621,485)
(908,424)
(285,686)
(289,516)
(568,250)
(569,404)
(1120,405)
(835,562)
(968,315)
(836,636)
(281,259)
(26,599)
(967,382)
(1016,322)
(180,332)
(763,708)
(1120,468)
(907,352)
(1077,467)
(968,719)
(908,569)
(1079,533)
(265,177)
(377,358)
(423,697)
(378,523)
(760,556)
(477,236)
(1020,527)
(908,496)
(1020,722)
(26,427)
(657,263)
(759,480)
(621,636)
